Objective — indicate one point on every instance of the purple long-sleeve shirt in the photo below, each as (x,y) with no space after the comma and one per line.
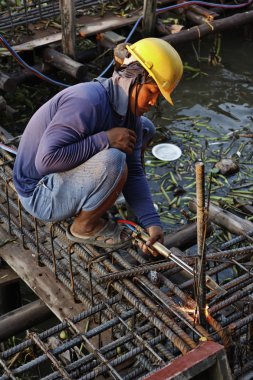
(69,129)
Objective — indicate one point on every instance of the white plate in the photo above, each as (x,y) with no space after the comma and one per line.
(166,152)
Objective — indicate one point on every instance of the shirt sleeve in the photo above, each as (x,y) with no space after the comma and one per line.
(136,190)
(71,138)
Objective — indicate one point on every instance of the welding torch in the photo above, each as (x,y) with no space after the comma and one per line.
(139,233)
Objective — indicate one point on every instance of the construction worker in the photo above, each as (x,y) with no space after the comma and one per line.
(82,148)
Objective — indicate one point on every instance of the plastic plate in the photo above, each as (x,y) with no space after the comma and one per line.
(166,152)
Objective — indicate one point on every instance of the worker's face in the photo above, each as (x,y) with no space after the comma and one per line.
(143,97)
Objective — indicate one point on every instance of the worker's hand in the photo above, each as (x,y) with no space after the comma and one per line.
(122,138)
(156,234)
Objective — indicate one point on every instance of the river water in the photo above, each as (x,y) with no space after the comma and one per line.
(225,94)
(212,108)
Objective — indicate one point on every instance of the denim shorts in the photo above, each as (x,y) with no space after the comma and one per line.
(59,196)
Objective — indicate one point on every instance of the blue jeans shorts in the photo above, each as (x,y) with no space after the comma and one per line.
(59,196)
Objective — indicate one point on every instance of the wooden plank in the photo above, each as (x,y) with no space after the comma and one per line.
(93,25)
(41,280)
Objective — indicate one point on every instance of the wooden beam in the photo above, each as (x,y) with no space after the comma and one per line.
(67,10)
(226,219)
(197,32)
(92,26)
(65,63)
(41,280)
(149,17)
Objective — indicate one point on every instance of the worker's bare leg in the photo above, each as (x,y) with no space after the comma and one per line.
(90,222)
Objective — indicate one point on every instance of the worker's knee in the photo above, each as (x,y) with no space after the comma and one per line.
(114,156)
(107,167)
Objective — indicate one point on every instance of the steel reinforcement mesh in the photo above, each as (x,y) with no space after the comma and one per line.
(139,312)
(30,11)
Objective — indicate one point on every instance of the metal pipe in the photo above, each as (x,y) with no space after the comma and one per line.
(210,283)
(23,318)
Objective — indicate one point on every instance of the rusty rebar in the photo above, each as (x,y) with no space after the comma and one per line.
(240,323)
(135,271)
(229,301)
(50,356)
(200,286)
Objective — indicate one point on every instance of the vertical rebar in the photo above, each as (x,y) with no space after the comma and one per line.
(51,231)
(201,288)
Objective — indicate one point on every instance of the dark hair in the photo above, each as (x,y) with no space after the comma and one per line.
(120,52)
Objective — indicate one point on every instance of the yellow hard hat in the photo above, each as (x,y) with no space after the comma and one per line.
(161,61)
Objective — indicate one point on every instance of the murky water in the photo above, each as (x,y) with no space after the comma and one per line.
(210,111)
(224,94)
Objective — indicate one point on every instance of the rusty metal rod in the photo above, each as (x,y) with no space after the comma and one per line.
(225,337)
(109,350)
(230,286)
(168,303)
(135,271)
(7,370)
(200,286)
(137,301)
(240,323)
(95,350)
(211,272)
(150,303)
(229,301)
(56,363)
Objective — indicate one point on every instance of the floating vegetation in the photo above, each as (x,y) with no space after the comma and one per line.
(173,182)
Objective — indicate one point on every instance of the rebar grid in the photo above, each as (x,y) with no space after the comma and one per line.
(31,11)
(115,288)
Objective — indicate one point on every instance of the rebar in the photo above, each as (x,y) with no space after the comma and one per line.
(229,301)
(50,356)
(135,271)
(151,323)
(242,322)
(24,15)
(200,285)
